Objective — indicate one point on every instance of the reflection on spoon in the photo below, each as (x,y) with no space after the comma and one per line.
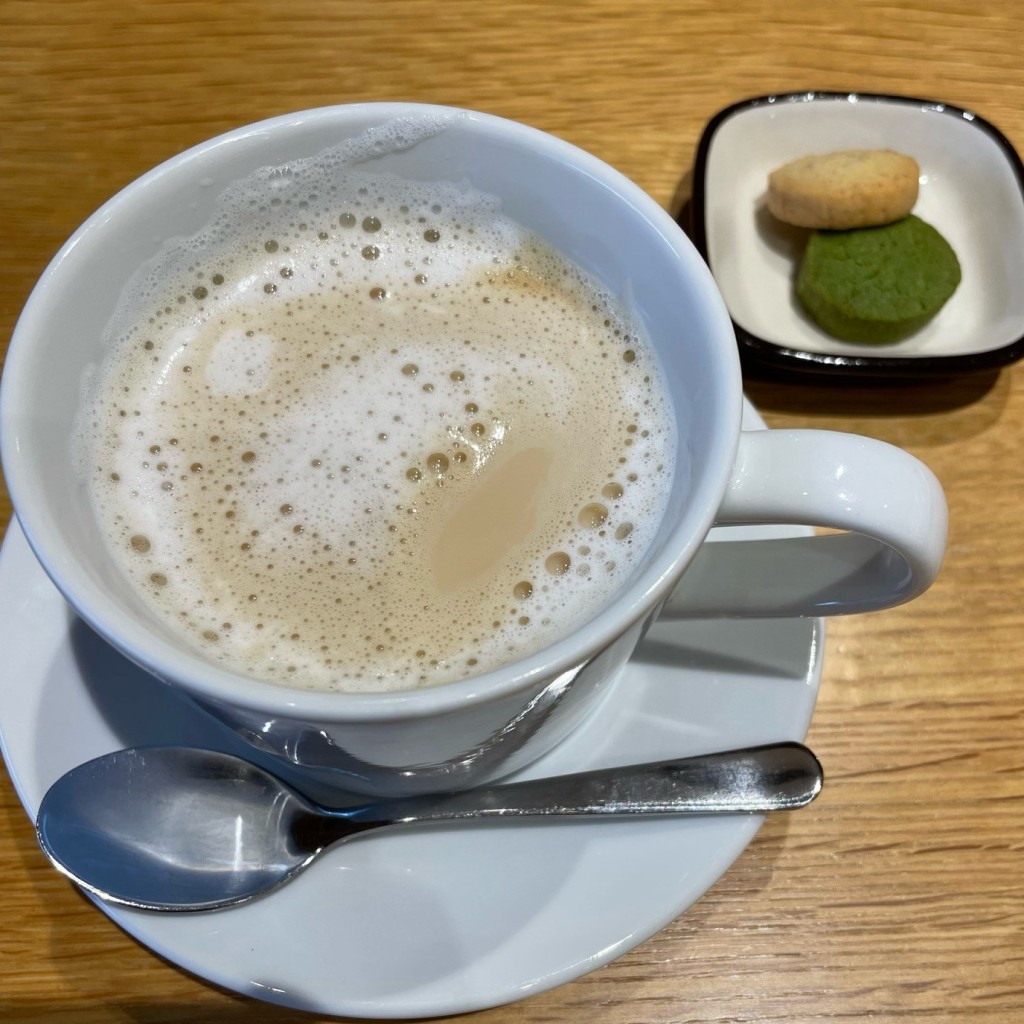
(175,828)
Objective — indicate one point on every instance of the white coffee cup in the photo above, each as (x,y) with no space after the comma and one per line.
(888,506)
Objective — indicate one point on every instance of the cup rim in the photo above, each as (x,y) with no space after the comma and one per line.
(213,684)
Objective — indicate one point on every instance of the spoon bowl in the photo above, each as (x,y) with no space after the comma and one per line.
(178,828)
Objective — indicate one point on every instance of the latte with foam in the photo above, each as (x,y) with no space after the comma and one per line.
(366,434)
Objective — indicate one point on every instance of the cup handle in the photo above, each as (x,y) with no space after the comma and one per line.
(888,504)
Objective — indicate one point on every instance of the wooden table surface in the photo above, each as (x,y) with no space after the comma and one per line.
(898,894)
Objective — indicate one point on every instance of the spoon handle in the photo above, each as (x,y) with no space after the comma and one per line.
(775,777)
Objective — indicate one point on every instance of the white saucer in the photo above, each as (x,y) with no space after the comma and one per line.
(429,922)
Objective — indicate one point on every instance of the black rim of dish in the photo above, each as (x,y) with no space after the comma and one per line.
(770,355)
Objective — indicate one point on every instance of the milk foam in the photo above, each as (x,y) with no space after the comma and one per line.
(295,412)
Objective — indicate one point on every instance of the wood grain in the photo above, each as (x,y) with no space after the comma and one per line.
(898,895)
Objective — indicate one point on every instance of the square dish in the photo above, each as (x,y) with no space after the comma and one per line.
(971,190)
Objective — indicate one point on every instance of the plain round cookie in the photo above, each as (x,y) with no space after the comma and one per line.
(854,188)
(877,285)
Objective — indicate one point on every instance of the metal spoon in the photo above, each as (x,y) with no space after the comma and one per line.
(174,828)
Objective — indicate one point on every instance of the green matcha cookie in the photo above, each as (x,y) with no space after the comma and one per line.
(879,284)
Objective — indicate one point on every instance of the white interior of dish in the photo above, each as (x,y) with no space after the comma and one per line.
(969,191)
